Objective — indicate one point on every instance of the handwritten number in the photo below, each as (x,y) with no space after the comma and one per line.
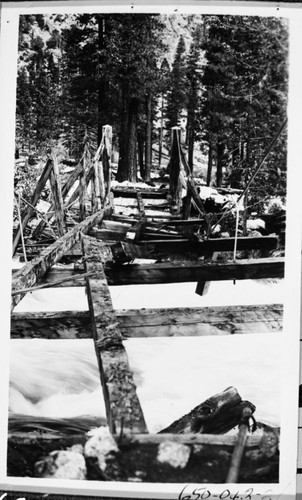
(224,494)
(248,493)
(204,494)
(188,497)
(196,494)
(267,495)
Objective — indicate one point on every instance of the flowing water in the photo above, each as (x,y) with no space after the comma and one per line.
(60,378)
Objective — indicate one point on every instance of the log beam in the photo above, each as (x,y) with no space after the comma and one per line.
(135,323)
(122,405)
(183,246)
(178,272)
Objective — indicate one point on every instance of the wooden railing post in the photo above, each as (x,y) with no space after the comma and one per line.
(106,157)
(174,170)
(83,187)
(55,184)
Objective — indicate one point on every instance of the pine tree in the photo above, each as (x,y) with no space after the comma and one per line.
(245,83)
(177,96)
(194,77)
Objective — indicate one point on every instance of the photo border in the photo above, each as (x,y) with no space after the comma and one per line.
(10,12)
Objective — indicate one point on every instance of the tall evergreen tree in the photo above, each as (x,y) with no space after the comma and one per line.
(177,96)
(194,77)
(245,82)
(135,45)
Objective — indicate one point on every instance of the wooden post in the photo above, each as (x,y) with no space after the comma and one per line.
(140,204)
(82,190)
(234,470)
(106,157)
(35,198)
(89,174)
(123,409)
(17,201)
(174,170)
(96,185)
(65,190)
(203,287)
(55,184)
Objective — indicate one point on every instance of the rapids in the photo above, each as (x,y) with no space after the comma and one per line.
(60,378)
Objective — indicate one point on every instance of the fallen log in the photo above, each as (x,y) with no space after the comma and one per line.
(182,456)
(217,415)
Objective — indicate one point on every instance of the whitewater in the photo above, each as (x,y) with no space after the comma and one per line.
(60,378)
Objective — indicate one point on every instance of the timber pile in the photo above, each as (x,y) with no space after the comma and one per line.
(117,227)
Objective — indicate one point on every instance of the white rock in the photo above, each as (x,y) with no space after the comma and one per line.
(174,454)
(63,464)
(100,445)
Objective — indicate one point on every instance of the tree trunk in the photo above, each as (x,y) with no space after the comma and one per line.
(132,140)
(210,163)
(140,153)
(148,154)
(160,140)
(122,172)
(190,139)
(220,151)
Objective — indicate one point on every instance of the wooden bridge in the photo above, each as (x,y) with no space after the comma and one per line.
(105,230)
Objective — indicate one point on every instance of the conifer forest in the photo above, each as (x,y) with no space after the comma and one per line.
(222,79)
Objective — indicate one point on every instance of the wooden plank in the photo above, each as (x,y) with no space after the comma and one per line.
(159,458)
(55,184)
(135,323)
(122,405)
(28,275)
(34,200)
(180,272)
(218,320)
(128,192)
(119,233)
(206,246)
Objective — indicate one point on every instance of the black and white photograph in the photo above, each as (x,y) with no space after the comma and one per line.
(148,328)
